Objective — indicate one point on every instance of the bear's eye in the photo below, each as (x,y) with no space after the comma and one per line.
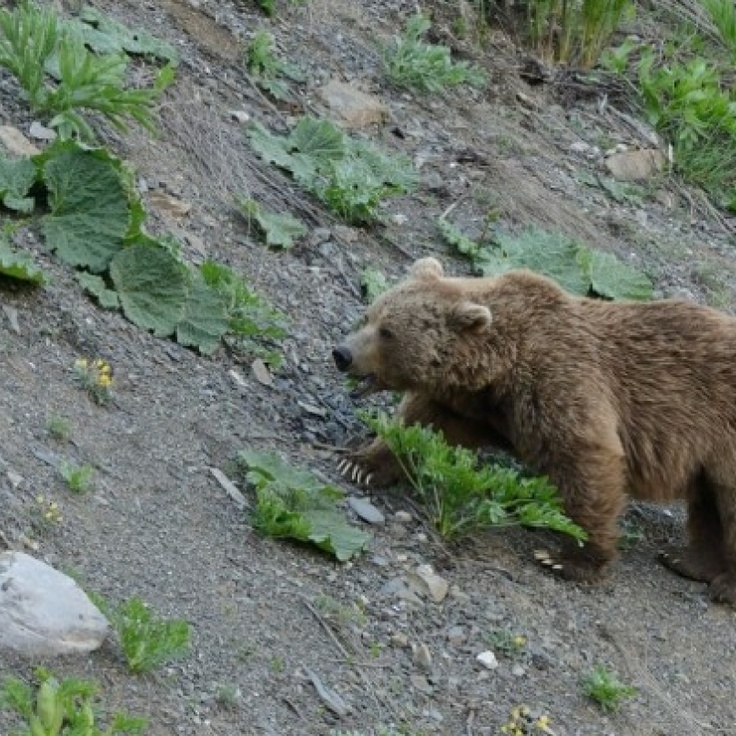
(385,333)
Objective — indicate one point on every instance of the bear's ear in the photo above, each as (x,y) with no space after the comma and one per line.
(426,268)
(469,316)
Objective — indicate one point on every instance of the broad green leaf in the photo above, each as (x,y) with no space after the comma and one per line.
(89,206)
(281,230)
(205,319)
(271,148)
(17,176)
(330,531)
(318,139)
(106,36)
(552,254)
(291,502)
(153,287)
(612,278)
(96,286)
(19,265)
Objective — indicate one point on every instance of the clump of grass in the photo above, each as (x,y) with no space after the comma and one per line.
(575,32)
(78,477)
(95,376)
(147,642)
(509,643)
(602,686)
(62,708)
(413,63)
(35,40)
(459,494)
(267,68)
(59,428)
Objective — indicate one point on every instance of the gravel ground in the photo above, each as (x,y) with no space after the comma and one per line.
(268,616)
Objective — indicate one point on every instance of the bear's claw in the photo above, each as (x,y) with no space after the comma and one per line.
(354,473)
(545,558)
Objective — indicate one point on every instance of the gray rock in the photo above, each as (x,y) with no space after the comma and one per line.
(43,611)
(366,510)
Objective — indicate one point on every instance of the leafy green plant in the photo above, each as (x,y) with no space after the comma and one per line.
(267,6)
(95,376)
(147,642)
(575,32)
(59,428)
(62,708)
(279,230)
(17,264)
(77,477)
(602,686)
(253,325)
(509,643)
(722,15)
(293,503)
(372,284)
(62,77)
(17,176)
(412,63)
(351,176)
(96,222)
(267,68)
(460,494)
(691,106)
(577,268)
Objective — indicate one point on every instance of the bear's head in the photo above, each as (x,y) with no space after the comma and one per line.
(414,334)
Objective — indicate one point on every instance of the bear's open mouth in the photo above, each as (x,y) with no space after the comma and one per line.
(366,386)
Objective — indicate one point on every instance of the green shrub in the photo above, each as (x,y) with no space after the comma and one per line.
(412,63)
(462,495)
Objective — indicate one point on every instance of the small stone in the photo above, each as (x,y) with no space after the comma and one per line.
(400,640)
(261,373)
(16,143)
(422,655)
(456,635)
(240,116)
(12,315)
(518,671)
(488,660)
(41,132)
(366,510)
(15,478)
(421,683)
(44,612)
(403,517)
(437,587)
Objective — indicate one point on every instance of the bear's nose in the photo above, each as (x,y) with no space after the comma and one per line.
(342,357)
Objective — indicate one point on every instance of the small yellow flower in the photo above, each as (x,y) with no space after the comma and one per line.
(519,641)
(543,722)
(81,364)
(104,380)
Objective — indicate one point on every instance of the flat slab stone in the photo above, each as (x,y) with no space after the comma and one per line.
(43,611)
(354,108)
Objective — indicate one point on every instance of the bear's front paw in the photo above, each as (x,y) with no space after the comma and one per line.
(577,566)
(371,465)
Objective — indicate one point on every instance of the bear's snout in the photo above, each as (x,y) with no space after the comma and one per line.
(342,357)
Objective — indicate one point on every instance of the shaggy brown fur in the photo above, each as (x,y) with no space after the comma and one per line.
(610,400)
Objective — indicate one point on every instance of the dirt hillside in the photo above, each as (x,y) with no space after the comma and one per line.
(268,616)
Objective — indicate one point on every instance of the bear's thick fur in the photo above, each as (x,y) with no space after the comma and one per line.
(610,400)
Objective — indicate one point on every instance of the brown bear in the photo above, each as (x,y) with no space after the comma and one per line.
(608,399)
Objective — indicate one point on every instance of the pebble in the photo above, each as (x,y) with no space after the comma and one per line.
(488,659)
(366,510)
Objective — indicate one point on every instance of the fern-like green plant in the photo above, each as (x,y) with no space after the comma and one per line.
(460,494)
(64,79)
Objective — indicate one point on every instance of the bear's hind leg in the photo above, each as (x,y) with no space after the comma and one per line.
(723,586)
(703,558)
(592,487)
